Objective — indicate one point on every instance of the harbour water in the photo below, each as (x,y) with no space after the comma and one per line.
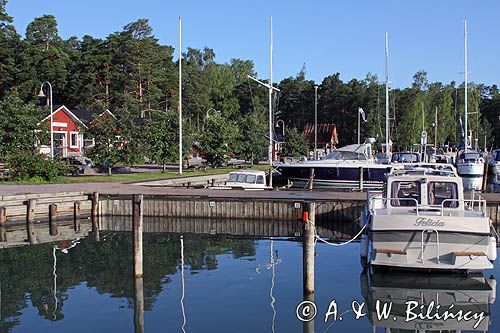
(226,284)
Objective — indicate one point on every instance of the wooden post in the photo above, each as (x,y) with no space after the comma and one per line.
(361,178)
(95,214)
(53,219)
(137,212)
(311,179)
(139,305)
(308,326)
(30,217)
(485,177)
(76,216)
(308,247)
(3,221)
(271,177)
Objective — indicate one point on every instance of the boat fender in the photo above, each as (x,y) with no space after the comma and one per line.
(492,249)
(493,285)
(363,247)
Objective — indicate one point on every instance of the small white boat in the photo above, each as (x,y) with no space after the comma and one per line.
(470,164)
(422,221)
(250,180)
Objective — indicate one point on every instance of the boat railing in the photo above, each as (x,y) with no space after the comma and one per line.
(470,203)
(438,209)
(384,200)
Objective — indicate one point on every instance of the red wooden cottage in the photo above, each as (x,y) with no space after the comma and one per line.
(67,125)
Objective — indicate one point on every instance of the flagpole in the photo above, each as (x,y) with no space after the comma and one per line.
(180,95)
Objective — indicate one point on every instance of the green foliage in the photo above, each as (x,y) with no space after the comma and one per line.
(254,129)
(19,128)
(219,138)
(161,136)
(34,167)
(107,137)
(295,144)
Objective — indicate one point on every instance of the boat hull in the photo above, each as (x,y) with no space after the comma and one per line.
(326,177)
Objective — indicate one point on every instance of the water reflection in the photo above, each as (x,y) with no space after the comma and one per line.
(403,294)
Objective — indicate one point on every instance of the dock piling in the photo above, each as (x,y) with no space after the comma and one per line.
(137,221)
(30,217)
(308,247)
(311,180)
(3,222)
(95,214)
(76,216)
(361,169)
(484,186)
(53,220)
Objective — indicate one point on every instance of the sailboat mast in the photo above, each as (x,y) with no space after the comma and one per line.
(387,127)
(270,148)
(466,69)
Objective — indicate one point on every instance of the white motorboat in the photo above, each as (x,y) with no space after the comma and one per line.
(470,164)
(419,302)
(250,180)
(342,168)
(422,221)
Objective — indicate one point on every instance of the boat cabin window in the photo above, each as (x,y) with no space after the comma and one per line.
(470,156)
(241,178)
(260,179)
(438,192)
(403,193)
(344,156)
(405,158)
(233,177)
(250,179)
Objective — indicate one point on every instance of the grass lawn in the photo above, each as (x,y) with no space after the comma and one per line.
(131,177)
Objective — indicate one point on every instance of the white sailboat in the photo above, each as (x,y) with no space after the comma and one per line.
(469,163)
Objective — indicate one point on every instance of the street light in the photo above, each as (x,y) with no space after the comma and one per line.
(315,122)
(282,125)
(211,109)
(41,94)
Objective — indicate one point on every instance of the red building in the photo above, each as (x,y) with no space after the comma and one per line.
(67,130)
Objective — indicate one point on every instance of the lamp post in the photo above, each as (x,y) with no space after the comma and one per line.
(282,124)
(41,94)
(315,122)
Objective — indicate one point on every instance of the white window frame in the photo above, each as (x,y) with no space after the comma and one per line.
(71,145)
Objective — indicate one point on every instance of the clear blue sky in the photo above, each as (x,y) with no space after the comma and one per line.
(328,36)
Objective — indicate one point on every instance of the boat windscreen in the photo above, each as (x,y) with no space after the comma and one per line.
(405,193)
(250,179)
(442,193)
(344,155)
(470,156)
(405,157)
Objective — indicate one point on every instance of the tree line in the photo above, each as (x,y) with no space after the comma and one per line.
(130,73)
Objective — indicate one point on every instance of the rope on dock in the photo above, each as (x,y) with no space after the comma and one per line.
(339,244)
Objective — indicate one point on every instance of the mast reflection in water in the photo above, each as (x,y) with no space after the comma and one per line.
(207,282)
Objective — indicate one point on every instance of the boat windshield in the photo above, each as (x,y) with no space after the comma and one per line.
(405,158)
(470,156)
(442,193)
(243,178)
(405,193)
(344,155)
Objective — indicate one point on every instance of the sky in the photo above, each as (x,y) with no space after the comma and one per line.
(327,36)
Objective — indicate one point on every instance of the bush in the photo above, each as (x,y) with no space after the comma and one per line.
(28,166)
